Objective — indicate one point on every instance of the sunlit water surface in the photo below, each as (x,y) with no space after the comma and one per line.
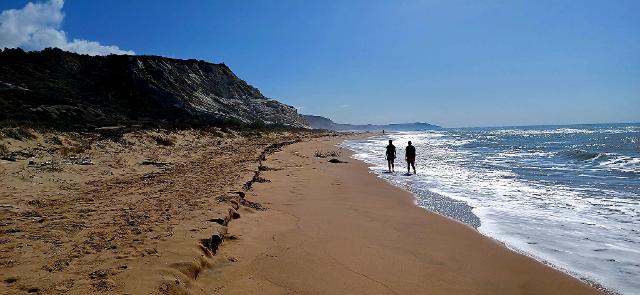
(566,195)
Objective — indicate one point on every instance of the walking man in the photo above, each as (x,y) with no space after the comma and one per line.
(410,156)
(391,155)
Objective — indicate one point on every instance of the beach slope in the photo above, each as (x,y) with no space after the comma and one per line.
(335,228)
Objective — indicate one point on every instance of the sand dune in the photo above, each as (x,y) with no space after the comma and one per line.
(82,215)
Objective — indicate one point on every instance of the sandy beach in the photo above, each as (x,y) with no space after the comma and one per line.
(237,215)
(335,228)
(246,147)
(112,213)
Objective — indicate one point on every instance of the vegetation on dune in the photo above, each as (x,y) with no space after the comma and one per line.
(163,140)
(326,154)
(17,133)
(3,150)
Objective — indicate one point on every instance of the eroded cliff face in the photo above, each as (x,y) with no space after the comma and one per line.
(53,86)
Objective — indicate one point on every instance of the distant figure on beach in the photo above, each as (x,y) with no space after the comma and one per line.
(410,156)
(382,131)
(391,155)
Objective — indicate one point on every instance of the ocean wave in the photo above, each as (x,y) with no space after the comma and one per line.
(624,164)
(607,160)
(582,155)
(560,131)
(541,194)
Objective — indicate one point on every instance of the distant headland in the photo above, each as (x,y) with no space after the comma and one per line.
(320,122)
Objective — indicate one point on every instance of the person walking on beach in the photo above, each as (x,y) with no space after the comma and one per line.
(410,156)
(391,155)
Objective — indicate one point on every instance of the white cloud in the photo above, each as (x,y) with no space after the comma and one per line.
(37,26)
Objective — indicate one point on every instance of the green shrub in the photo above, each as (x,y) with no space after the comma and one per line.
(232,122)
(257,125)
(18,133)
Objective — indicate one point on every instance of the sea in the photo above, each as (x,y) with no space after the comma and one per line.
(568,196)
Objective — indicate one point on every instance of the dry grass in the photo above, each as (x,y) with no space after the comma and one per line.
(74,149)
(74,145)
(163,139)
(216,132)
(54,140)
(326,154)
(3,150)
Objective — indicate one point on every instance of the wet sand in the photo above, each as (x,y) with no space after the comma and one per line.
(335,228)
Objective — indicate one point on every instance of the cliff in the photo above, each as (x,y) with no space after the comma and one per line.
(54,87)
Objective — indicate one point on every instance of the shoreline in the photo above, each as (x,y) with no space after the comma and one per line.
(488,267)
(477,227)
(591,282)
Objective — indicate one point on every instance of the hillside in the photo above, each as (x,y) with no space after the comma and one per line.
(58,88)
(320,122)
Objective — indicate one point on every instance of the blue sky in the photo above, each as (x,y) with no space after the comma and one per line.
(452,63)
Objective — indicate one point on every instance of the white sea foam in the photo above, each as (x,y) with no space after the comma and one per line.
(579,215)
